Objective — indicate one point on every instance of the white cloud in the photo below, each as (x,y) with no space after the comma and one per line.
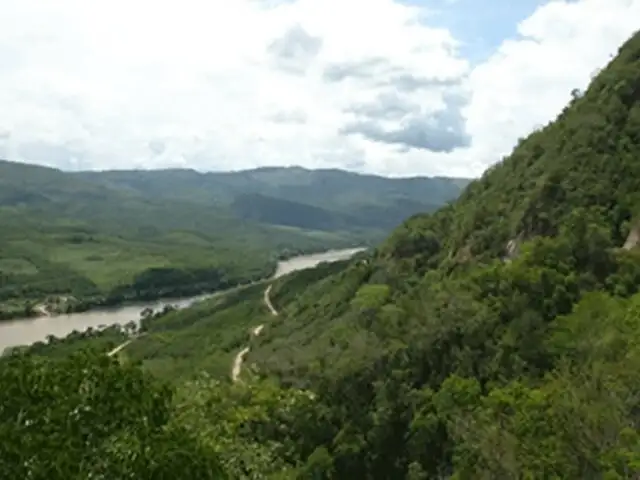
(529,80)
(219,84)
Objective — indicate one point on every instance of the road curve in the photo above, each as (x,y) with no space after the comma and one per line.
(237,363)
(119,347)
(310,261)
(236,368)
(267,300)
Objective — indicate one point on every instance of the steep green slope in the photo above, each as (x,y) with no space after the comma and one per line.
(335,199)
(566,199)
(586,159)
(508,307)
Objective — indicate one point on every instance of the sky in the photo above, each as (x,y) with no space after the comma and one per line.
(391,87)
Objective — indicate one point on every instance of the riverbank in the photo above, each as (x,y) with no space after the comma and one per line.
(170,284)
(166,289)
(23,330)
(212,336)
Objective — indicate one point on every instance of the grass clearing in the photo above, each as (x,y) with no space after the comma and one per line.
(17,266)
(106,263)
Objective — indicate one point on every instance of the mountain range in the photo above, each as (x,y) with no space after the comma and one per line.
(294,196)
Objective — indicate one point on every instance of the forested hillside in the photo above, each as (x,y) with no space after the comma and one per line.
(497,338)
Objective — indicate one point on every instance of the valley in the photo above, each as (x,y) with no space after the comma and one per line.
(71,242)
(26,331)
(494,337)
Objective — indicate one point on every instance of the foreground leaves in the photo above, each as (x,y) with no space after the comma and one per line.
(87,416)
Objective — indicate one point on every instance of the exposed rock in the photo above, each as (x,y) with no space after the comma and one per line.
(633,238)
(512,249)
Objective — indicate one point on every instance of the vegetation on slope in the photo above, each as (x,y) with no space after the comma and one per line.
(492,339)
(87,416)
(497,338)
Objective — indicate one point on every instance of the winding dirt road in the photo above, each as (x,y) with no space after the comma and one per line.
(236,368)
(284,267)
(119,347)
(124,344)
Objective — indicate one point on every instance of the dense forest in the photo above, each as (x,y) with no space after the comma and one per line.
(496,338)
(72,241)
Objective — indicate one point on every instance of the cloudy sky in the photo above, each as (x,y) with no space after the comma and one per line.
(395,87)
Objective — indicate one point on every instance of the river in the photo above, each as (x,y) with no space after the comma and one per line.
(29,330)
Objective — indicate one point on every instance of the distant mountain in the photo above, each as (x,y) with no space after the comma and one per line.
(42,196)
(294,196)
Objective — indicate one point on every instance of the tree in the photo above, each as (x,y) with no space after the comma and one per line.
(88,416)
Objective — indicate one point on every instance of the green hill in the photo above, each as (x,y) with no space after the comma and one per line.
(496,338)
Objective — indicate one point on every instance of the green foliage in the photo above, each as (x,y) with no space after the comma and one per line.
(86,416)
(371,297)
(252,427)
(577,422)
